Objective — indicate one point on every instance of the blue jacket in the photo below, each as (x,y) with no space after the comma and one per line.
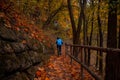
(59,42)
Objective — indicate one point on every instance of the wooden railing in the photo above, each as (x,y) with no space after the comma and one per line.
(69,51)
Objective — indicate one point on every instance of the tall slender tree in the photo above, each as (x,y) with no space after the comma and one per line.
(100,37)
(83,8)
(119,35)
(119,23)
(75,29)
(91,32)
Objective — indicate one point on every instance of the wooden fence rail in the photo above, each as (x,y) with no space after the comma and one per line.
(69,51)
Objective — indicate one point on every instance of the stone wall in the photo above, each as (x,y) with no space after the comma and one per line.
(19,53)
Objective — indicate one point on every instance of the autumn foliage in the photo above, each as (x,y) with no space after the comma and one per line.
(19,22)
(59,68)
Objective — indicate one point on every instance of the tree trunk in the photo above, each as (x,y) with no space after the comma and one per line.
(112,59)
(96,64)
(100,38)
(82,19)
(91,33)
(119,35)
(75,30)
(51,16)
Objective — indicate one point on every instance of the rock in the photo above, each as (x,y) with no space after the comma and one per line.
(8,63)
(36,58)
(17,58)
(5,47)
(17,76)
(19,54)
(34,44)
(7,34)
(31,72)
(25,61)
(19,47)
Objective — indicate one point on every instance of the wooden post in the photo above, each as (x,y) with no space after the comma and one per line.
(71,51)
(82,74)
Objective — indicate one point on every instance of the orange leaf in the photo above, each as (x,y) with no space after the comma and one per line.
(24,42)
(47,78)
(38,73)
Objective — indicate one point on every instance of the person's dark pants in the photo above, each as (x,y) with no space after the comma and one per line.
(59,50)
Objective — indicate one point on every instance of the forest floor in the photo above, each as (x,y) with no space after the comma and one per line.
(59,68)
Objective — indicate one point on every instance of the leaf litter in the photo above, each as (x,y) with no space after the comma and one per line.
(59,68)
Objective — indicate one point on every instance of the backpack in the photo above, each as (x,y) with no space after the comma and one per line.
(59,42)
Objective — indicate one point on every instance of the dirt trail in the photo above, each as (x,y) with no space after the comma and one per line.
(59,68)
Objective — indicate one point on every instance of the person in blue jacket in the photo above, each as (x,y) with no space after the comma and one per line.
(59,43)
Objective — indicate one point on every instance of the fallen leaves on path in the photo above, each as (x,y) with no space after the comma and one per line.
(59,68)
